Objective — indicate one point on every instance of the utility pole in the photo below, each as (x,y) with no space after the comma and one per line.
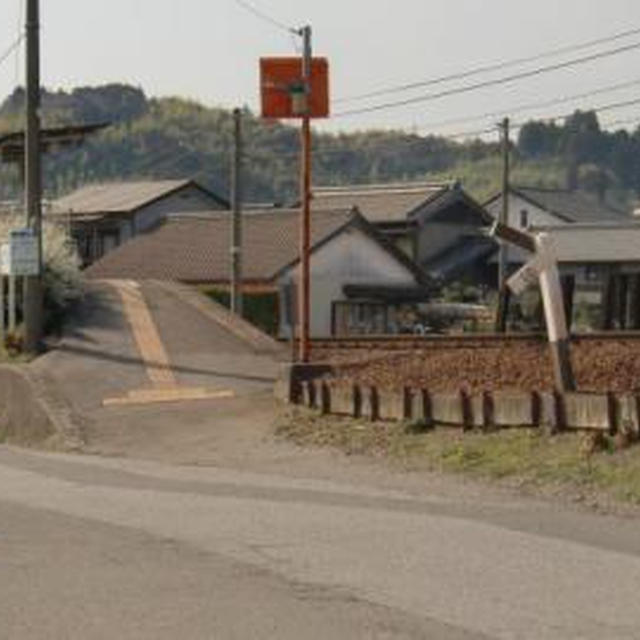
(33,179)
(305,244)
(503,256)
(236,207)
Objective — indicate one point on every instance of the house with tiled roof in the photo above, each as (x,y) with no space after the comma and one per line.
(347,252)
(103,216)
(438,225)
(538,206)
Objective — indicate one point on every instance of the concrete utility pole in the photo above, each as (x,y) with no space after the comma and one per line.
(305,245)
(503,256)
(33,178)
(236,207)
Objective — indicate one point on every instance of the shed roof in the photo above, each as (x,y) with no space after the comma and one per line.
(569,206)
(195,247)
(122,197)
(379,203)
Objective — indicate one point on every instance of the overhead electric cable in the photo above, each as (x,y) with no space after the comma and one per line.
(489,67)
(420,141)
(11,48)
(19,30)
(533,105)
(492,83)
(247,6)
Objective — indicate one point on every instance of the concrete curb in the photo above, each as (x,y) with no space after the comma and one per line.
(32,413)
(610,413)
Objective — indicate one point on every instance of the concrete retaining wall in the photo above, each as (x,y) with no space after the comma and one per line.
(490,410)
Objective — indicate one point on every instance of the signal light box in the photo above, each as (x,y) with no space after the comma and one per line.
(282,88)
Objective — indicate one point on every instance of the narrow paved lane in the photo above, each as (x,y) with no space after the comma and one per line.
(93,548)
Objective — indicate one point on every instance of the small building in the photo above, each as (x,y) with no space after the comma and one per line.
(358,278)
(103,216)
(536,206)
(600,267)
(438,225)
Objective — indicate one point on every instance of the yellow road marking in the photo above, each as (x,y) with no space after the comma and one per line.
(146,334)
(153,396)
(154,355)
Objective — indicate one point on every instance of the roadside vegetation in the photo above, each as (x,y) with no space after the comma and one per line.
(62,279)
(176,137)
(589,468)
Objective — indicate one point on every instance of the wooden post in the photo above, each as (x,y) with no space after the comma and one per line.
(568,291)
(634,311)
(502,311)
(622,302)
(608,298)
(2,306)
(12,304)
(236,207)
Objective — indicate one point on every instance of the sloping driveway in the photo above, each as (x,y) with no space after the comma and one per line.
(149,367)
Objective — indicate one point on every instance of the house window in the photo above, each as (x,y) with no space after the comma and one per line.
(524,219)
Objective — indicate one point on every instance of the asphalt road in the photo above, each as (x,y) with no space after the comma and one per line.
(109,548)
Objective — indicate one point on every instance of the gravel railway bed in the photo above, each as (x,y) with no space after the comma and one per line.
(476,364)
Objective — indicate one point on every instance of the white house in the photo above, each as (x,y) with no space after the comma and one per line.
(541,207)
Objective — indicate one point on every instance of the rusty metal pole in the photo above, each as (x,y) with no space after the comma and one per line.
(305,240)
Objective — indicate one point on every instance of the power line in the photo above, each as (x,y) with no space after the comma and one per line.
(18,32)
(492,83)
(534,105)
(11,48)
(489,67)
(475,133)
(247,6)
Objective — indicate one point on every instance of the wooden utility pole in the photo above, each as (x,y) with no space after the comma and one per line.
(503,255)
(33,307)
(305,240)
(236,207)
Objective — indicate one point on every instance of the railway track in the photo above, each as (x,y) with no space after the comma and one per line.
(466,341)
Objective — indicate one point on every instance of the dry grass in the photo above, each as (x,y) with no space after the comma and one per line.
(527,458)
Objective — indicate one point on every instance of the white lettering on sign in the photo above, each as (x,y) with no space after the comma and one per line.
(19,256)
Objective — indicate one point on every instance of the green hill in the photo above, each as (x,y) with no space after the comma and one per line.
(173,137)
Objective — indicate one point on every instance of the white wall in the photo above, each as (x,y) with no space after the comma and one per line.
(536,216)
(350,258)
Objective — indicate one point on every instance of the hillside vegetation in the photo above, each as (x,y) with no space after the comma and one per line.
(174,137)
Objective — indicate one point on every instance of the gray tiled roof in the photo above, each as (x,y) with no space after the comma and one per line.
(573,206)
(116,197)
(378,203)
(195,247)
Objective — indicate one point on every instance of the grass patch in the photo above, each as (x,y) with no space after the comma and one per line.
(527,457)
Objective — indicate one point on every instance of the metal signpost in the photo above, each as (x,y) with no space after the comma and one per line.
(19,258)
(299,88)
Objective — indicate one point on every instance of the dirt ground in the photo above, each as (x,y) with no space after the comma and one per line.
(599,366)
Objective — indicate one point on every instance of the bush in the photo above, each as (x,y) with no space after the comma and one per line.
(62,280)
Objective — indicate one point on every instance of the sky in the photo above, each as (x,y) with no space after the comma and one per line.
(208,50)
